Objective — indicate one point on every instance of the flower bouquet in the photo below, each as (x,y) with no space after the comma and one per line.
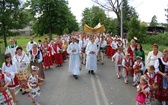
(60,51)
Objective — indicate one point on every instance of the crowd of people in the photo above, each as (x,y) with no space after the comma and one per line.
(25,69)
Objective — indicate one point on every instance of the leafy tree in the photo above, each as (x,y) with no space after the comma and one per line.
(154,21)
(128,13)
(55,17)
(114,6)
(111,25)
(12,16)
(93,16)
(136,30)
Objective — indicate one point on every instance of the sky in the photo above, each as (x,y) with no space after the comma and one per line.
(145,8)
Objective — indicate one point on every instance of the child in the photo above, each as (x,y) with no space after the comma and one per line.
(138,67)
(143,90)
(10,69)
(152,77)
(117,59)
(33,84)
(127,66)
(5,96)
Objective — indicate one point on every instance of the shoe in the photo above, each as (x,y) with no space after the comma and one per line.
(102,63)
(57,65)
(75,76)
(134,84)
(118,76)
(126,82)
(20,89)
(24,93)
(89,71)
(92,72)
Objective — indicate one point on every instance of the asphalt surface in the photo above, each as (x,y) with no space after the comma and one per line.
(103,88)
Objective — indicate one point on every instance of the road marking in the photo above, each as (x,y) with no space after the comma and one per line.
(102,91)
(95,91)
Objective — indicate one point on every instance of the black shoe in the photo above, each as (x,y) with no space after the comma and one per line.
(102,63)
(89,71)
(75,76)
(57,65)
(92,72)
(20,89)
(24,93)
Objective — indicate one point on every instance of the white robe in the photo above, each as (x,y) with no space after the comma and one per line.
(29,46)
(91,59)
(74,62)
(11,50)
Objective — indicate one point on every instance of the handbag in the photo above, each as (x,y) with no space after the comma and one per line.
(141,97)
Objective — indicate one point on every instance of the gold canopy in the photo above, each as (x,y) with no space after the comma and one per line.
(97,29)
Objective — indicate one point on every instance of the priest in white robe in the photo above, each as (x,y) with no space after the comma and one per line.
(91,59)
(74,62)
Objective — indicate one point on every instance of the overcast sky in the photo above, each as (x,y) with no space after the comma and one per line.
(145,8)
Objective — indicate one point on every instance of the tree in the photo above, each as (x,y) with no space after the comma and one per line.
(128,13)
(114,6)
(154,21)
(12,16)
(55,17)
(136,30)
(93,16)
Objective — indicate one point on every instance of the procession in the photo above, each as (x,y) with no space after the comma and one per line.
(26,69)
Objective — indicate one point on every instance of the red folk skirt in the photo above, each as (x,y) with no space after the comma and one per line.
(47,60)
(161,94)
(58,58)
(108,51)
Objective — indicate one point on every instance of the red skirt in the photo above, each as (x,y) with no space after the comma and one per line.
(47,60)
(161,94)
(108,51)
(58,58)
(15,83)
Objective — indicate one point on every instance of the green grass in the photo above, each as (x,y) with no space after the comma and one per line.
(148,47)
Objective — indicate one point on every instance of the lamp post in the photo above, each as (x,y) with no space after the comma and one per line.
(166,14)
(121,21)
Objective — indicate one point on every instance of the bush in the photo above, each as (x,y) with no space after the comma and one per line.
(161,39)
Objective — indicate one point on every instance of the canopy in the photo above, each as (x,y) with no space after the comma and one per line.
(97,29)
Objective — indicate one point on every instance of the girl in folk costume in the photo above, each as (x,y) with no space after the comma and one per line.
(161,68)
(64,47)
(36,58)
(152,77)
(5,96)
(47,52)
(143,92)
(51,44)
(125,42)
(22,61)
(120,44)
(127,66)
(109,49)
(58,53)
(138,68)
(130,50)
(33,83)
(10,69)
(117,59)
(114,46)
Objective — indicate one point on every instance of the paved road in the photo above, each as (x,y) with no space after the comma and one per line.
(100,89)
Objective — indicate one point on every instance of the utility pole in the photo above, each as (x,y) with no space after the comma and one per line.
(121,21)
